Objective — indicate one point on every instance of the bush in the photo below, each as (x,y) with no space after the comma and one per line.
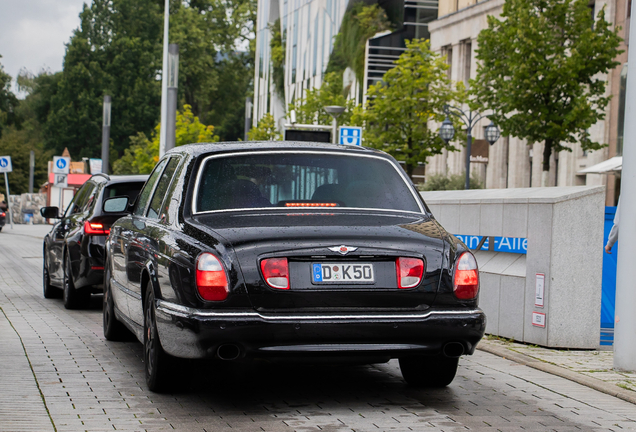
(437,182)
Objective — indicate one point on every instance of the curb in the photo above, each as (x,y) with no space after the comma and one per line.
(596,384)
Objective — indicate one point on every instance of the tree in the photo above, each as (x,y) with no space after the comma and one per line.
(310,109)
(265,130)
(8,102)
(143,154)
(400,107)
(540,72)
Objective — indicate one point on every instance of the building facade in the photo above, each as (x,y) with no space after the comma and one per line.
(511,162)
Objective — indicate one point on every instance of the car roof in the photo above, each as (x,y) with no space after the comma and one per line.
(239,146)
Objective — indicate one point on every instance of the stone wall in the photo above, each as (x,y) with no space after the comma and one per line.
(25,208)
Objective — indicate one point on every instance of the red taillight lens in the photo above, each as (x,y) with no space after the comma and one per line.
(95,228)
(276,272)
(3,214)
(409,272)
(466,280)
(211,279)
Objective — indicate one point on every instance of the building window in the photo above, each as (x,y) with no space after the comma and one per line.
(468,57)
(447,52)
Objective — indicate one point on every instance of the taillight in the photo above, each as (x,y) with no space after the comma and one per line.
(276,272)
(211,279)
(466,279)
(95,228)
(409,272)
(3,214)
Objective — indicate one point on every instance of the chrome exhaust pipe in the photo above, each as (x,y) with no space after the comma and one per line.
(453,349)
(228,352)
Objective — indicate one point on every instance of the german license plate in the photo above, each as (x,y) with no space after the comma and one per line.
(342,273)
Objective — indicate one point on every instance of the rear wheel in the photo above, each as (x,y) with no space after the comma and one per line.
(428,371)
(48,290)
(155,359)
(114,330)
(73,298)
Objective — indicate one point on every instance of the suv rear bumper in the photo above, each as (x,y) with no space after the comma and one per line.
(195,333)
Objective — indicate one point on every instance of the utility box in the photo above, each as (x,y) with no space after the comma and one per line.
(541,263)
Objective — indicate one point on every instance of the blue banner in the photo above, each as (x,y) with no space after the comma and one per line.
(517,245)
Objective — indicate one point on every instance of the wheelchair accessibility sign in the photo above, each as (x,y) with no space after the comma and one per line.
(350,135)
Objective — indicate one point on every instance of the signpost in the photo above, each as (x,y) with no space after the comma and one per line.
(351,135)
(6,167)
(61,168)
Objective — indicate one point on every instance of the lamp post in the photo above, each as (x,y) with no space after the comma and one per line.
(334,111)
(470,119)
(173,85)
(105,134)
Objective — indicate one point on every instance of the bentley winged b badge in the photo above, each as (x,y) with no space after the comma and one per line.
(343,250)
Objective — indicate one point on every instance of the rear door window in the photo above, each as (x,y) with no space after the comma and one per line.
(162,187)
(144,197)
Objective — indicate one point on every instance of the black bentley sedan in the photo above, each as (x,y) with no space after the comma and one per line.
(285,250)
(73,250)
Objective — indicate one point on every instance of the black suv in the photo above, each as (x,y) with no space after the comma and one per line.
(74,248)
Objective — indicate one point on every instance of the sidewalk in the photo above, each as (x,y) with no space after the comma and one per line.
(38,231)
(590,368)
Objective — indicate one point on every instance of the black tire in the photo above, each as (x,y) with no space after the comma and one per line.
(73,298)
(156,361)
(428,371)
(114,330)
(48,290)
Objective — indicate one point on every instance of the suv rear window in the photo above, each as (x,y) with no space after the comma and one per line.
(131,190)
(302,180)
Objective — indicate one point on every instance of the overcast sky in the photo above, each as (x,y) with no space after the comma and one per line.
(33,33)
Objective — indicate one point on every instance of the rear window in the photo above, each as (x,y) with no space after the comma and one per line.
(131,190)
(302,180)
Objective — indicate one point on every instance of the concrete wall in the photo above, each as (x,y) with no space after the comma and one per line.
(564,229)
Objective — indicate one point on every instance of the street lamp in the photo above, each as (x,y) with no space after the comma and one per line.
(171,105)
(470,119)
(106,133)
(334,111)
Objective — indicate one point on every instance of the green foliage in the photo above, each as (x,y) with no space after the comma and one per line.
(540,71)
(438,182)
(277,54)
(359,23)
(8,102)
(18,144)
(143,153)
(310,109)
(265,130)
(116,51)
(399,108)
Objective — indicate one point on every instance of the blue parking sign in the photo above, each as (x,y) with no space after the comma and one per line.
(350,135)
(5,164)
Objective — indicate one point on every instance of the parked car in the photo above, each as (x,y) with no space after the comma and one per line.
(3,218)
(278,250)
(74,248)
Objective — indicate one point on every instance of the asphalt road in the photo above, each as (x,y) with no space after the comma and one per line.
(57,372)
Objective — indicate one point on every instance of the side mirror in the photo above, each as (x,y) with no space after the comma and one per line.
(50,212)
(116,204)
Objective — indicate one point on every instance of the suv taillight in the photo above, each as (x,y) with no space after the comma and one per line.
(466,279)
(409,272)
(95,228)
(211,279)
(3,214)
(276,272)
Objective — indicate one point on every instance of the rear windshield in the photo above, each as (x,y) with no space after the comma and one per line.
(131,190)
(302,180)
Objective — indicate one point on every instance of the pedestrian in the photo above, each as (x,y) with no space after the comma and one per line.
(613,235)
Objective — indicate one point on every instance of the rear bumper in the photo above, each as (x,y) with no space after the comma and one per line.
(195,333)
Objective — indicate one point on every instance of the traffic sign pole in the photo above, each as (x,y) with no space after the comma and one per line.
(6,184)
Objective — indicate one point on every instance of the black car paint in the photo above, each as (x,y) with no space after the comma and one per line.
(67,240)
(267,322)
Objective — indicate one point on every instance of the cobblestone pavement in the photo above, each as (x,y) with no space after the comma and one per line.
(59,374)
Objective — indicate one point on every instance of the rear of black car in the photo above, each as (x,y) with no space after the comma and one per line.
(336,255)
(3,218)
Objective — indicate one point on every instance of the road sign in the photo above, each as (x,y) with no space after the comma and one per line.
(351,135)
(61,165)
(5,164)
(61,180)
